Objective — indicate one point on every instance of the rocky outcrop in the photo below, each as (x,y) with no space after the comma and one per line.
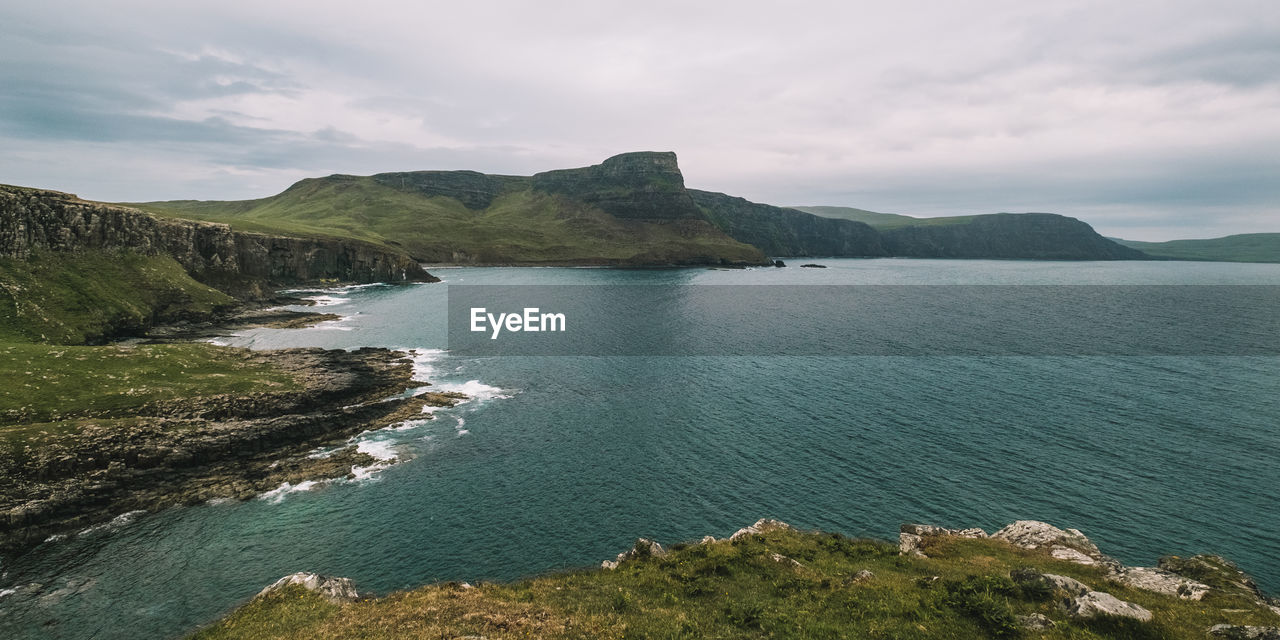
(335,590)
(1244,632)
(645,186)
(38,220)
(763,525)
(787,232)
(1160,581)
(911,537)
(1032,534)
(643,548)
(1097,603)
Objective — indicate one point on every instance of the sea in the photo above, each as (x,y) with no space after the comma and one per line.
(560,461)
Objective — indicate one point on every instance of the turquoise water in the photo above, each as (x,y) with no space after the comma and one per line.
(563,461)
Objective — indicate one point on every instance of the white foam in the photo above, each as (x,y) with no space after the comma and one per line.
(116,522)
(278,494)
(475,390)
(424,362)
(328,301)
(381,450)
(458,428)
(368,473)
(213,502)
(8,592)
(57,537)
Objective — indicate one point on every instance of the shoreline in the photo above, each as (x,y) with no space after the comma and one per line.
(184,451)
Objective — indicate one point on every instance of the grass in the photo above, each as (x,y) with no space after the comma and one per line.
(739,590)
(522,226)
(51,384)
(87,297)
(1249,247)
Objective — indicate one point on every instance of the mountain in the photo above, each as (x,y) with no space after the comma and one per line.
(1248,247)
(632,209)
(1036,236)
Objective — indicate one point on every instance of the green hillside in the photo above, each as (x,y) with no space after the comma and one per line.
(621,212)
(1248,247)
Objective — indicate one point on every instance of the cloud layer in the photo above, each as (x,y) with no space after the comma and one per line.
(1151,120)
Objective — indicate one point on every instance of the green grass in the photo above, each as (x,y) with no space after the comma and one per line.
(737,590)
(86,297)
(522,226)
(1249,247)
(883,220)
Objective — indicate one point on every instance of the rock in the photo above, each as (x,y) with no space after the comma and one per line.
(643,548)
(1161,581)
(763,525)
(1028,577)
(863,576)
(912,535)
(1072,555)
(779,263)
(813,266)
(336,590)
(707,540)
(1034,622)
(909,545)
(1241,632)
(1096,603)
(1032,534)
(781,559)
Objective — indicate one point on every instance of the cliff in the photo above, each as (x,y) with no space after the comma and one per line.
(787,232)
(34,220)
(1040,236)
(631,186)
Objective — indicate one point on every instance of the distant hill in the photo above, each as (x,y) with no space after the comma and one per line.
(1248,247)
(1040,236)
(632,209)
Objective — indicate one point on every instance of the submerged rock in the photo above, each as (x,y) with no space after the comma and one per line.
(1097,603)
(336,590)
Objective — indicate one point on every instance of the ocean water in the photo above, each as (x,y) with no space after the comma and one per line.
(561,462)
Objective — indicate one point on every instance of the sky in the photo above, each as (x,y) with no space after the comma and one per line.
(1149,120)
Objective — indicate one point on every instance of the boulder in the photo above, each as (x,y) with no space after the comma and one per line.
(1028,577)
(1034,622)
(763,525)
(1032,534)
(1161,581)
(911,536)
(1096,603)
(336,590)
(781,559)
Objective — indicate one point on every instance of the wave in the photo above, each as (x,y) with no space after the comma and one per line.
(277,495)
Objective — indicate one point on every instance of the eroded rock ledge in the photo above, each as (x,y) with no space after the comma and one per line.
(187,451)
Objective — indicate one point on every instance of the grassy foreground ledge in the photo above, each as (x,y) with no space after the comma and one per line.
(772,581)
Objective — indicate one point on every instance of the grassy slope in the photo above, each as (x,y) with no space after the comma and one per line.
(881,220)
(518,227)
(737,590)
(73,298)
(84,297)
(1249,247)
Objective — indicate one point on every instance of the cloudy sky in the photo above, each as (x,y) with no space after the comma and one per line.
(1150,120)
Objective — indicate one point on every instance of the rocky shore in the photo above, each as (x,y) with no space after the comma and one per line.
(1029,579)
(186,451)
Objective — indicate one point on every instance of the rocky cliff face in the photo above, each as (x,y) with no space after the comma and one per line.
(33,219)
(1043,236)
(787,232)
(473,189)
(632,186)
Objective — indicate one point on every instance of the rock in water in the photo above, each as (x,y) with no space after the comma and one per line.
(335,590)
(1096,603)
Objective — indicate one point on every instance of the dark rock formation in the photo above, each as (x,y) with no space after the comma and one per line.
(1041,236)
(787,232)
(33,219)
(646,186)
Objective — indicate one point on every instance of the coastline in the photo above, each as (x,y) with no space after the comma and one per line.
(182,451)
